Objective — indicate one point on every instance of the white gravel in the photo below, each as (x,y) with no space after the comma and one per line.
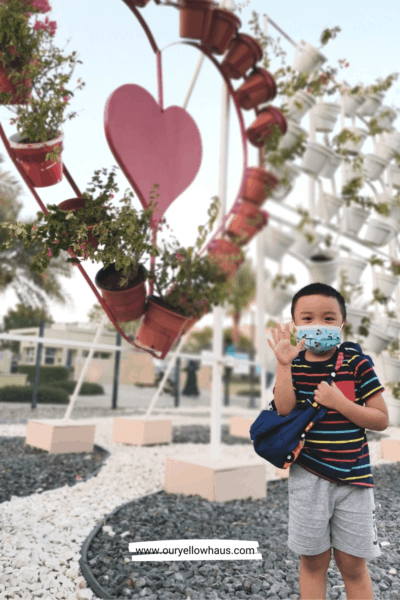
(41,535)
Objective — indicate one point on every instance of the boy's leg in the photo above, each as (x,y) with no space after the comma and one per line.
(355,576)
(312,575)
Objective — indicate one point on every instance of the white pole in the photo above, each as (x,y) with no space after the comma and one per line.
(85,368)
(194,79)
(260,298)
(216,391)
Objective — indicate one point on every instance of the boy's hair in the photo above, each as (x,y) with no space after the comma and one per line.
(322,289)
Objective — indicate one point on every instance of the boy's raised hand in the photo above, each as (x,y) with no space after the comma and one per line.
(284,351)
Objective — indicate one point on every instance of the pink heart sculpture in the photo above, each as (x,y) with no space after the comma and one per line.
(151,145)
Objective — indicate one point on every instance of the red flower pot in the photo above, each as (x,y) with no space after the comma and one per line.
(224,25)
(246,222)
(76,204)
(227,255)
(259,185)
(140,3)
(242,55)
(128,303)
(195,19)
(160,328)
(32,158)
(258,88)
(7,87)
(263,126)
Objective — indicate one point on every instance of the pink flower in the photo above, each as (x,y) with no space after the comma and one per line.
(66,98)
(112,196)
(79,80)
(56,241)
(28,14)
(12,49)
(178,256)
(49,252)
(42,6)
(347,64)
(34,228)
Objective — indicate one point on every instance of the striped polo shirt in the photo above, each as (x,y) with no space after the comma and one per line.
(335,448)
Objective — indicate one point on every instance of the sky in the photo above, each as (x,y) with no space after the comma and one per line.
(115,51)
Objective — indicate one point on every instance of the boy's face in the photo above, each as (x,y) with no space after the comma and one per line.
(317,310)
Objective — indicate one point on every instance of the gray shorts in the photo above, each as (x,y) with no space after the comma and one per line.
(323,514)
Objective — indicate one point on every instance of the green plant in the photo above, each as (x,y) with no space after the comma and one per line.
(395,267)
(393,349)
(88,388)
(282,281)
(374,260)
(382,208)
(46,394)
(305,220)
(395,388)
(379,297)
(349,291)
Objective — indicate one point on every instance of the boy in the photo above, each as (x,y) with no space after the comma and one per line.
(331,499)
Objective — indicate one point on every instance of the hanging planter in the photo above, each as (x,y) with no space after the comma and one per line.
(392,326)
(351,104)
(350,172)
(377,339)
(258,88)
(276,300)
(263,126)
(259,185)
(354,267)
(32,158)
(302,246)
(244,52)
(385,152)
(386,121)
(392,139)
(314,158)
(323,267)
(354,218)
(224,26)
(391,367)
(331,166)
(227,255)
(394,174)
(385,282)
(7,87)
(328,206)
(76,204)
(352,147)
(370,105)
(306,100)
(160,327)
(292,135)
(325,115)
(126,303)
(307,58)
(355,316)
(195,19)
(246,222)
(289,171)
(373,166)
(277,243)
(380,231)
(394,207)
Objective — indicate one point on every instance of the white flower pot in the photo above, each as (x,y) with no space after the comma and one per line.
(354,218)
(276,243)
(302,247)
(331,166)
(294,131)
(393,406)
(325,115)
(385,152)
(306,100)
(377,339)
(353,147)
(328,206)
(394,174)
(386,282)
(350,173)
(314,158)
(392,139)
(370,105)
(386,122)
(353,267)
(380,231)
(394,211)
(392,326)
(355,316)
(289,170)
(373,166)
(323,271)
(276,300)
(307,58)
(351,104)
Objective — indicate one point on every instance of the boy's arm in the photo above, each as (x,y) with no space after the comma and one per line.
(284,394)
(372,416)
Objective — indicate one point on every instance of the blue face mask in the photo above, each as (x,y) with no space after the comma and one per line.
(319,338)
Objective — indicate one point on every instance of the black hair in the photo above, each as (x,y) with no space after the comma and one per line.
(322,289)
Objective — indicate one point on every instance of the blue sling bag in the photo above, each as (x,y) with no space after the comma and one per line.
(279,440)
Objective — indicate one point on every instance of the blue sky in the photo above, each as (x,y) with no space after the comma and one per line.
(115,51)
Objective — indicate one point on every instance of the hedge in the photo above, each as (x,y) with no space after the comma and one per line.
(87,388)
(246,392)
(46,395)
(47,374)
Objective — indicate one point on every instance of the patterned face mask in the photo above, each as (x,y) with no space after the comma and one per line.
(319,338)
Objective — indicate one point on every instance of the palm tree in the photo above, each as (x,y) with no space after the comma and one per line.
(242,292)
(31,289)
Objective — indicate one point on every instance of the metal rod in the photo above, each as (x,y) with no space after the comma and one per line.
(116,372)
(285,35)
(194,79)
(38,363)
(56,342)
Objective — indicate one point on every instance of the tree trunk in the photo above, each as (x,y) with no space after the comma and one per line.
(235,329)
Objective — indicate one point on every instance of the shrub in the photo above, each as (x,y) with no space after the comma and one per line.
(87,388)
(246,392)
(46,395)
(47,374)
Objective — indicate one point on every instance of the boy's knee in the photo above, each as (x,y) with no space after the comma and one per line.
(317,562)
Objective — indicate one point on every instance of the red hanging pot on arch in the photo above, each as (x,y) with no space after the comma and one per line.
(244,52)
(258,88)
(195,18)
(76,204)
(264,125)
(259,185)
(247,220)
(224,26)
(31,156)
(126,303)
(227,255)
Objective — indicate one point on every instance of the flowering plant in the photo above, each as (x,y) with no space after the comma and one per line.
(395,267)
(40,119)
